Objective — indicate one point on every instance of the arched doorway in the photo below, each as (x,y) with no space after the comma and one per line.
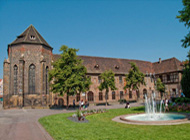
(90,96)
(144,93)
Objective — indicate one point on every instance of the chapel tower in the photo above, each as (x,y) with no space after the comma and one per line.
(26,71)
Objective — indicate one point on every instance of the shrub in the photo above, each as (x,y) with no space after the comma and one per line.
(122,101)
(182,100)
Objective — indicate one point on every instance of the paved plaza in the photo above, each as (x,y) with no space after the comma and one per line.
(22,124)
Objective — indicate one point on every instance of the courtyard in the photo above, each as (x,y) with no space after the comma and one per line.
(101,127)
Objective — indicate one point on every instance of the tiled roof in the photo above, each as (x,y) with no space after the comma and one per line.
(167,65)
(118,66)
(123,65)
(31,36)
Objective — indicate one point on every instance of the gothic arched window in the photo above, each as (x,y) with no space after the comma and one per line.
(32,79)
(15,78)
(46,80)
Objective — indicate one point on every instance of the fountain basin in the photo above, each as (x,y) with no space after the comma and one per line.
(159,119)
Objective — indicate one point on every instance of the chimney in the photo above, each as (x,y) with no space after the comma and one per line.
(160,60)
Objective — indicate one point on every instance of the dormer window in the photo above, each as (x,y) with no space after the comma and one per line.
(116,67)
(96,66)
(32,37)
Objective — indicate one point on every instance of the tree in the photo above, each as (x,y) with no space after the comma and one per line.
(185,81)
(160,87)
(134,78)
(108,82)
(68,74)
(185,17)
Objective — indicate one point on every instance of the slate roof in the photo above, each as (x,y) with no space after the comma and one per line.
(167,65)
(26,37)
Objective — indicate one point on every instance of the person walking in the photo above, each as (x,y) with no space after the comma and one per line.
(166,105)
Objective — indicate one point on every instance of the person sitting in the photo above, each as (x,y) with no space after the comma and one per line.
(127,105)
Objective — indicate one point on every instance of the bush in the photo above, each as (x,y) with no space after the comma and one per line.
(122,101)
(182,100)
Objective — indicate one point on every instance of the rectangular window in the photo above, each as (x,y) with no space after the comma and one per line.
(100,96)
(99,79)
(121,94)
(151,78)
(176,77)
(113,95)
(161,78)
(171,77)
(164,79)
(130,94)
(168,78)
(120,79)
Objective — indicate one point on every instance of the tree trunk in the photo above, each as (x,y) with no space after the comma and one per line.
(67,101)
(106,97)
(137,93)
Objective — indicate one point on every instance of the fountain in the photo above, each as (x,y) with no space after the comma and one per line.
(154,114)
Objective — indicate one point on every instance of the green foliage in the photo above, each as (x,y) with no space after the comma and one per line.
(182,100)
(160,86)
(68,74)
(122,100)
(108,81)
(185,81)
(185,17)
(134,78)
(78,113)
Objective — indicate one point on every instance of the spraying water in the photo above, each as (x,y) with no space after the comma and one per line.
(151,107)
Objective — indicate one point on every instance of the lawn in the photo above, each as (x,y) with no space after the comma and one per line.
(101,127)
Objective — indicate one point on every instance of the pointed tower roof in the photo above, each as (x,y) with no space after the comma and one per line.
(30,36)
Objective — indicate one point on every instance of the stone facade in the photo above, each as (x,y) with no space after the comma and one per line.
(29,60)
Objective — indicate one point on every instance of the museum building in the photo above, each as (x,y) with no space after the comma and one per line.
(25,77)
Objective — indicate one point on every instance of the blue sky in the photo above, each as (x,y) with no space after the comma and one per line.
(132,29)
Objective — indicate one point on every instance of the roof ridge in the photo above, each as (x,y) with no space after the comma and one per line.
(37,34)
(165,60)
(113,58)
(27,33)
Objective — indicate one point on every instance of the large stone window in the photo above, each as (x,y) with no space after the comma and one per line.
(15,79)
(31,79)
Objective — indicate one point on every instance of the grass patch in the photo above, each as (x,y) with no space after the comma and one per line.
(101,127)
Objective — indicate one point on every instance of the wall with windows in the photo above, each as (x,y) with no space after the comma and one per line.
(28,74)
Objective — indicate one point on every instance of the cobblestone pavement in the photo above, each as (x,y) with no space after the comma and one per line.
(22,124)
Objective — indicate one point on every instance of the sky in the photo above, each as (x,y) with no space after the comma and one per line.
(132,29)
